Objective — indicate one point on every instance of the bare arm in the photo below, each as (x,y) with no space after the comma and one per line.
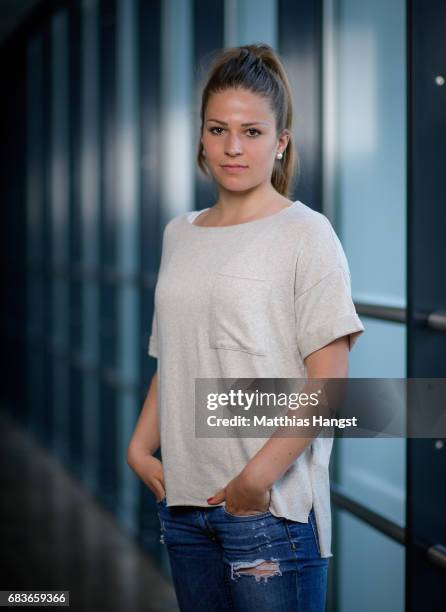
(276,456)
(250,490)
(146,436)
(145,441)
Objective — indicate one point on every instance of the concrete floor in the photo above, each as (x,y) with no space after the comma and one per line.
(54,536)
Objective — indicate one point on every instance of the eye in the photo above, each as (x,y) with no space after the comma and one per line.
(214,128)
(257,133)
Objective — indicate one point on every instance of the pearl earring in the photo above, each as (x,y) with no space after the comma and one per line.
(279,155)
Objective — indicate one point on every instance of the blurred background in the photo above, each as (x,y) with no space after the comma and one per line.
(99,125)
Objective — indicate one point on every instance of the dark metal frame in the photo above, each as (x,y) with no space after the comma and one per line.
(426,293)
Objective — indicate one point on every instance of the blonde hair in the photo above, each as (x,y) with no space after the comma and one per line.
(257,68)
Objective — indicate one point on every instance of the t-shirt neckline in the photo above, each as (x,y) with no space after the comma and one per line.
(191,216)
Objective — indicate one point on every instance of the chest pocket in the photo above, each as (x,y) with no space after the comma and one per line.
(239,309)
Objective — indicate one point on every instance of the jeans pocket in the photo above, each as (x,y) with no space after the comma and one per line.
(247,516)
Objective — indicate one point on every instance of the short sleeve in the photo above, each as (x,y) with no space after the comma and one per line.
(153,339)
(324,308)
(152,347)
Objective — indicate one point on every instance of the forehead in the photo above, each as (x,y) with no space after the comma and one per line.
(238,104)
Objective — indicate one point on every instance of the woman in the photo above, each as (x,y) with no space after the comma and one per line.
(256,286)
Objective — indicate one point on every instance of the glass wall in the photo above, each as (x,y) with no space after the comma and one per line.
(251,21)
(369,568)
(87,275)
(365,102)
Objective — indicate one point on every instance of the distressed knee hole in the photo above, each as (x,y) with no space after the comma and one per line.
(260,569)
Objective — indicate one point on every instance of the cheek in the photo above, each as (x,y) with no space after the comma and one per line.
(211,139)
(212,146)
(263,156)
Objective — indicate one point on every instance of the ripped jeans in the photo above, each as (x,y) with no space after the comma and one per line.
(222,562)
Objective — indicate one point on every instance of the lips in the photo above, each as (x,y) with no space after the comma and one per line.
(233,169)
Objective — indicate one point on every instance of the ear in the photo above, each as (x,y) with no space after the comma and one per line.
(284,138)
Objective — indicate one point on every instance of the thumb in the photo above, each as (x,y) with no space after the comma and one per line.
(217,498)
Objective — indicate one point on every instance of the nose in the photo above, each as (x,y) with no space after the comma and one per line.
(233,145)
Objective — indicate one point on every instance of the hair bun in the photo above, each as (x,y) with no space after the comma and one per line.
(260,52)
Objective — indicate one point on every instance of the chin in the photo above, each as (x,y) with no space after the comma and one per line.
(237,188)
(236,182)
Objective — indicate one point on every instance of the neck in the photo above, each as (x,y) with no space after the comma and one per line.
(242,206)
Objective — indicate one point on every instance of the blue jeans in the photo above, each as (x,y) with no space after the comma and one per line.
(260,562)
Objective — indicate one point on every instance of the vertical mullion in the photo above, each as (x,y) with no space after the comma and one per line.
(46,397)
(89,253)
(176,146)
(300,45)
(127,255)
(35,198)
(74,345)
(150,225)
(62,415)
(107,117)
(209,32)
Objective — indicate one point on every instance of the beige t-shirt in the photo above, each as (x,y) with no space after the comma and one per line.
(246,301)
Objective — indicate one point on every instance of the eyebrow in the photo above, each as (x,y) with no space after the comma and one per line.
(243,124)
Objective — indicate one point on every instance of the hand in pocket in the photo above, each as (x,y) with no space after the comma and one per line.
(155,477)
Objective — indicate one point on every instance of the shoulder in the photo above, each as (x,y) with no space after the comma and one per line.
(309,221)
(176,223)
(309,230)
(320,248)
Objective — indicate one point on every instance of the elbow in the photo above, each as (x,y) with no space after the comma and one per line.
(130,455)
